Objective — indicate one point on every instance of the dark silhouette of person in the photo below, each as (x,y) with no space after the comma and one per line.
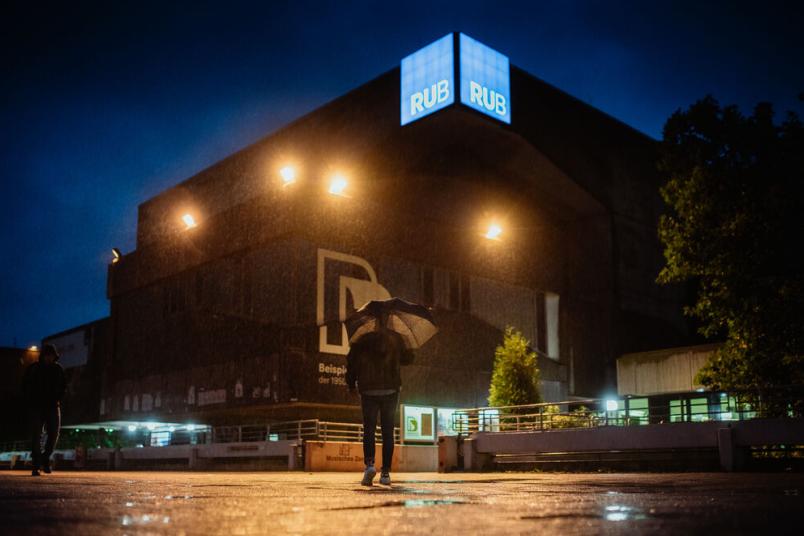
(373,367)
(43,386)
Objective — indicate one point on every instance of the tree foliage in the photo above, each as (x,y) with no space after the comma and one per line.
(515,380)
(734,230)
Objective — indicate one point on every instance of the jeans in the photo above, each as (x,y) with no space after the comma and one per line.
(50,418)
(385,405)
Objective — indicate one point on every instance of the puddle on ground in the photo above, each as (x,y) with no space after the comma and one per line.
(145,519)
(409,503)
(613,512)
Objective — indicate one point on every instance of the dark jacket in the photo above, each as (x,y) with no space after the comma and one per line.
(374,360)
(44,384)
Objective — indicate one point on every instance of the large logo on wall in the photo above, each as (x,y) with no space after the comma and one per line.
(332,264)
(428,79)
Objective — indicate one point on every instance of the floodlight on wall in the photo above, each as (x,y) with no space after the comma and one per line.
(288,174)
(189,221)
(493,232)
(33,348)
(337,184)
(116,255)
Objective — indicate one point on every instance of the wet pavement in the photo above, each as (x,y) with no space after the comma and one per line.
(416,503)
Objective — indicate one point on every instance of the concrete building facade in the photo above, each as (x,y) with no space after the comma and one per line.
(237,317)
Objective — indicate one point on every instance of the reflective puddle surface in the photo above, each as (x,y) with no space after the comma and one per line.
(406,503)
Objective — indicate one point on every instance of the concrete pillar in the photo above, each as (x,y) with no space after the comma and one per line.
(192,463)
(726,449)
(293,450)
(447,454)
(472,459)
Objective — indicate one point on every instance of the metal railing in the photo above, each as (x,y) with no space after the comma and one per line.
(311,429)
(630,411)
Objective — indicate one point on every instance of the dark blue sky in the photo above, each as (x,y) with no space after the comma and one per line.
(104,106)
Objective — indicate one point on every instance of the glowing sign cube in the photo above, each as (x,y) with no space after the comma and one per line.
(427,80)
(485,79)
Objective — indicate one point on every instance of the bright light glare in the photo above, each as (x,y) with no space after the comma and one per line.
(189,221)
(132,428)
(337,184)
(33,348)
(116,255)
(151,426)
(494,231)
(288,174)
(190,427)
(611,405)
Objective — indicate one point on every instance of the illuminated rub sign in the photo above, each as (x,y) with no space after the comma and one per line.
(428,79)
(485,81)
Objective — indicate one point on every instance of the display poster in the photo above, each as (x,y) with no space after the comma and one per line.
(418,424)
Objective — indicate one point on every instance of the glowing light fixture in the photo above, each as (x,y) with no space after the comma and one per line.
(611,405)
(190,427)
(337,184)
(116,255)
(132,428)
(189,221)
(151,426)
(33,348)
(494,231)
(288,174)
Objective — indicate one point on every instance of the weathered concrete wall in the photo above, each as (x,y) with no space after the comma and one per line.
(346,456)
(662,371)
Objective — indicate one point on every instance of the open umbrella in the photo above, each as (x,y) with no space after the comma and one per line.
(412,321)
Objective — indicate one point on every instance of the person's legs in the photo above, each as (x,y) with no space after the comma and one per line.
(52,425)
(370,406)
(387,422)
(35,430)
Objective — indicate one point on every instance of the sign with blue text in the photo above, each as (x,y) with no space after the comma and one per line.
(485,79)
(428,80)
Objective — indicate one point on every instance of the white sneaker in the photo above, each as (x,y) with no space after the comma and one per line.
(385,478)
(368,476)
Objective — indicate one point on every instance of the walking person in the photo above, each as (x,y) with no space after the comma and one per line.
(43,386)
(373,368)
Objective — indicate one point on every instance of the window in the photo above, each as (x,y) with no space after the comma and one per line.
(454,291)
(466,295)
(428,286)
(551,321)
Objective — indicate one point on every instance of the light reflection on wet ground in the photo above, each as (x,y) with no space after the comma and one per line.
(326,503)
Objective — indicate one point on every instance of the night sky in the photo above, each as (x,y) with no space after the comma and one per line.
(104,106)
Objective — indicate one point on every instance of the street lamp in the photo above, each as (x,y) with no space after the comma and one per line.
(288,174)
(189,221)
(493,232)
(337,184)
(116,255)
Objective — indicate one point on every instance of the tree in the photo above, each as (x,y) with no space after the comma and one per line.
(515,380)
(733,230)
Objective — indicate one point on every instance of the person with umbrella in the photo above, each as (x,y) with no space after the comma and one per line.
(382,333)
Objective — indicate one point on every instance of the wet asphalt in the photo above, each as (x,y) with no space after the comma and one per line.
(86,503)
